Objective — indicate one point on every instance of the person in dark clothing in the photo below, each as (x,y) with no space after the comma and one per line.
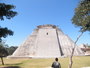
(56,64)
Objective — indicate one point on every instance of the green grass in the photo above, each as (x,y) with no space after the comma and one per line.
(78,62)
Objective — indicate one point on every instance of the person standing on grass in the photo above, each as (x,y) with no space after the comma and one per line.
(56,64)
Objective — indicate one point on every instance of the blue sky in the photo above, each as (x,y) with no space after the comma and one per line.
(32,13)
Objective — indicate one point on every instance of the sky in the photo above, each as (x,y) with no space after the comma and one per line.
(32,13)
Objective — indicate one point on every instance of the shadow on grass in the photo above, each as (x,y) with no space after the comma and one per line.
(14,64)
(10,67)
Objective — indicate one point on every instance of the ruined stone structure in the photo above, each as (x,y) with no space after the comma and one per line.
(47,41)
(85,49)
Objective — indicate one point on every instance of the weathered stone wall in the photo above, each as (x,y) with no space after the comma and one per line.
(47,41)
(47,44)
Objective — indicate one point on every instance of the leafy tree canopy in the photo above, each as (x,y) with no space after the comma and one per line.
(3,51)
(81,17)
(4,32)
(11,49)
(6,50)
(6,11)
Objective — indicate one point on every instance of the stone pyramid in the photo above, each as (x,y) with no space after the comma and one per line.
(46,41)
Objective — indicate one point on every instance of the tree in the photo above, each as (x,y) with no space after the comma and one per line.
(11,49)
(3,52)
(5,11)
(81,19)
(4,32)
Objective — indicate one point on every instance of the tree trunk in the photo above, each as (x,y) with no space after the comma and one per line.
(70,59)
(2,60)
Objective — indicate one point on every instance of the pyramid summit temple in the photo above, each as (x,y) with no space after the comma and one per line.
(46,41)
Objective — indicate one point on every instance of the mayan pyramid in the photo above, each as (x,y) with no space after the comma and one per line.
(46,41)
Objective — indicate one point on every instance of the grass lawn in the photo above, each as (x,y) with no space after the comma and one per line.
(78,62)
